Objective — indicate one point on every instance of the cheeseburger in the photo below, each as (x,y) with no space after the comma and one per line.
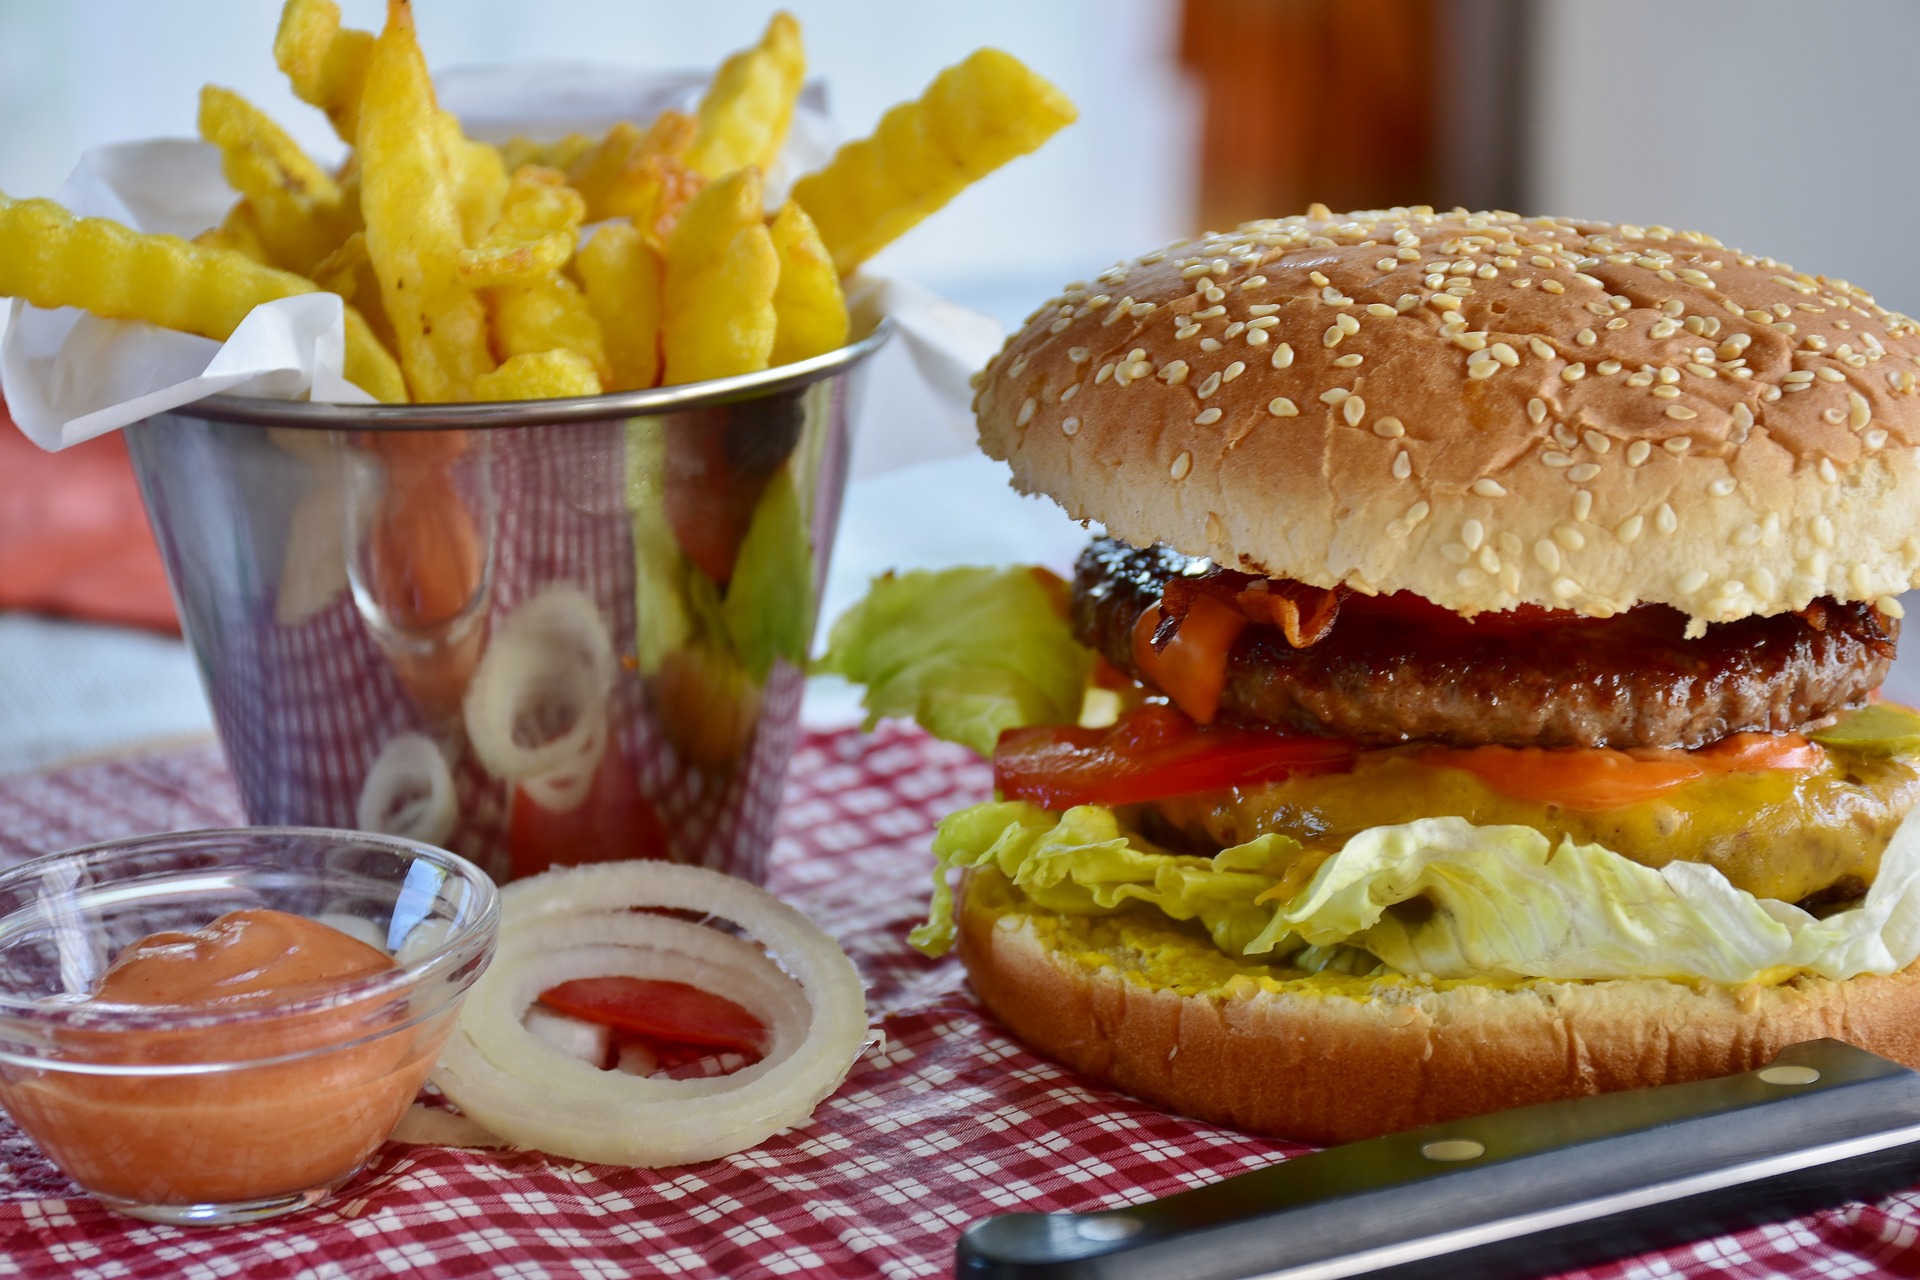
(1486,631)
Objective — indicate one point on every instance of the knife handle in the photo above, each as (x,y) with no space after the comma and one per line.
(1521,1192)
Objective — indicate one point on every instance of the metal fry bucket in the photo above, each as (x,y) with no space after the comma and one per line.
(536,633)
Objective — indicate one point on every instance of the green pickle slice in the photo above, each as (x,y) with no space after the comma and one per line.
(1883,729)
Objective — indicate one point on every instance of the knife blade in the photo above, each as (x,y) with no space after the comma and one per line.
(1515,1193)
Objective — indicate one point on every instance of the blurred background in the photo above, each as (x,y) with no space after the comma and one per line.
(1779,126)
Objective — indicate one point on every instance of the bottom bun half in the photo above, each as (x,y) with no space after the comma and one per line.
(1334,1059)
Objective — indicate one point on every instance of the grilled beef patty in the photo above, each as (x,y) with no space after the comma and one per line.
(1395,669)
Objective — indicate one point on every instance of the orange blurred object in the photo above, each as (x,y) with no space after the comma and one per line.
(74,539)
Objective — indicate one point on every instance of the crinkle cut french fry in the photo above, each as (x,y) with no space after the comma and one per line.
(414,233)
(325,62)
(297,206)
(547,315)
(539,226)
(539,375)
(476,174)
(559,154)
(717,316)
(53,259)
(543,310)
(810,312)
(973,118)
(621,175)
(746,111)
(238,231)
(621,274)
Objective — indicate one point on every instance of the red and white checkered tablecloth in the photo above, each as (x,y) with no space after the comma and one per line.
(947,1122)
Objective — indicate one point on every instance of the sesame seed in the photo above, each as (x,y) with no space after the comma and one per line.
(1693,581)
(1680,412)
(1208,385)
(1318,278)
(1018,367)
(1073,389)
(1209,344)
(1406,302)
(1699,370)
(1537,409)
(1582,503)
(1565,588)
(1875,438)
(1281,407)
(1197,269)
(1618,322)
(1823,531)
(1282,355)
(1078,355)
(1664,520)
(1470,341)
(1331,338)
(1106,371)
(1608,367)
(1069,426)
(1061,325)
(1489,488)
(1206,418)
(1181,465)
(1482,365)
(1596,441)
(1264,322)
(1347,324)
(1552,286)
(1860,412)
(1827,471)
(1389,427)
(1677,444)
(1444,302)
(1334,395)
(1025,415)
(1554,458)
(1237,328)
(1174,372)
(1828,374)
(1569,537)
(1548,555)
(1256,337)
(1210,313)
(1232,371)
(1891,606)
(1663,329)
(1348,361)
(1573,372)
(1472,534)
(1380,309)
(1722,487)
(1584,472)
(1638,452)
(1264,310)
(1540,348)
(1253,282)
(1629,530)
(1402,465)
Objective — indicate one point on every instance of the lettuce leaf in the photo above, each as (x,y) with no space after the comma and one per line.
(966,652)
(1082,862)
(1442,897)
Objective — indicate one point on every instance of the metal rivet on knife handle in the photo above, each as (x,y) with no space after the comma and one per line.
(1451,1150)
(1790,1075)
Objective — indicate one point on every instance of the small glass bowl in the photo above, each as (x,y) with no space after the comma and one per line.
(183,1114)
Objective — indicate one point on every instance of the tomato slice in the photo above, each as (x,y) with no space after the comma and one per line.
(658,1011)
(1150,754)
(1596,778)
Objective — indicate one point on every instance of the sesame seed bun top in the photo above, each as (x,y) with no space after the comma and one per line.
(1483,409)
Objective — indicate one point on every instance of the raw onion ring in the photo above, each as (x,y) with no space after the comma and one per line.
(552,654)
(580,922)
(408,792)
